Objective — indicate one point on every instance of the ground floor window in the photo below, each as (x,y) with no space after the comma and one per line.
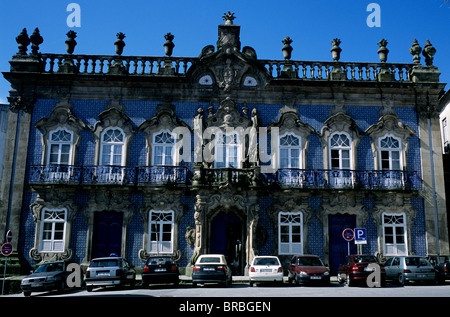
(394,234)
(290,233)
(53,227)
(161,231)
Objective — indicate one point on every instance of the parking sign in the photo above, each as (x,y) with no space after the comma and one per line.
(360,236)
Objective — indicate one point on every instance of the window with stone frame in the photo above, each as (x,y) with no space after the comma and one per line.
(161,231)
(390,153)
(60,147)
(290,151)
(53,226)
(227,150)
(340,151)
(290,233)
(394,234)
(112,147)
(163,148)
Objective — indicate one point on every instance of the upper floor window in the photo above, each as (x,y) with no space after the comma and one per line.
(289,151)
(340,151)
(163,148)
(112,147)
(227,150)
(390,153)
(52,230)
(60,147)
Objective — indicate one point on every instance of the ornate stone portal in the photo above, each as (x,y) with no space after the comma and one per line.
(243,204)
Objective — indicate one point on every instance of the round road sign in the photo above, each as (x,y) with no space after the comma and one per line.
(7,249)
(348,234)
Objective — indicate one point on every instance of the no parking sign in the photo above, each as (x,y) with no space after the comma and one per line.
(7,249)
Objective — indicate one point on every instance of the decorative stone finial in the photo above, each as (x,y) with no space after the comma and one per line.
(415,50)
(336,50)
(23,40)
(229,17)
(383,51)
(119,43)
(428,52)
(169,45)
(36,40)
(287,48)
(70,42)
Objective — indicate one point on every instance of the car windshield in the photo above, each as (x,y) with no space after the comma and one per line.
(266,261)
(309,261)
(210,260)
(365,258)
(50,267)
(159,261)
(104,263)
(416,261)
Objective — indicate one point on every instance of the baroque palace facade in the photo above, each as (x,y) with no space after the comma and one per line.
(221,153)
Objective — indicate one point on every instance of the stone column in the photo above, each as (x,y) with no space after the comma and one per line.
(13,183)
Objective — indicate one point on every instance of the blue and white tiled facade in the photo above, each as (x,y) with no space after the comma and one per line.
(276,100)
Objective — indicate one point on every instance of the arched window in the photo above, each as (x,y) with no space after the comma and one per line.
(289,151)
(112,147)
(340,151)
(390,153)
(163,148)
(227,150)
(60,147)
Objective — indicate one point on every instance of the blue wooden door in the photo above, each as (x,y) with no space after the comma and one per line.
(226,237)
(338,246)
(107,235)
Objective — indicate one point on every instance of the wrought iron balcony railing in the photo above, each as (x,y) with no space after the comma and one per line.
(178,175)
(108,175)
(348,179)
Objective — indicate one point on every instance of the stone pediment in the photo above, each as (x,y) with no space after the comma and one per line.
(228,67)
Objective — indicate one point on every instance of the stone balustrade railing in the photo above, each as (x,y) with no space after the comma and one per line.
(152,65)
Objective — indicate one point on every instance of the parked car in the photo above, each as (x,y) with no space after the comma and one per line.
(211,268)
(305,269)
(265,269)
(47,277)
(441,264)
(160,269)
(355,270)
(109,271)
(403,269)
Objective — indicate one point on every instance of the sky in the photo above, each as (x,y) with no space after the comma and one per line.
(311,24)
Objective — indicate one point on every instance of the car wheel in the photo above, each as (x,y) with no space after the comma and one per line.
(89,288)
(26,294)
(340,279)
(401,279)
(194,284)
(349,280)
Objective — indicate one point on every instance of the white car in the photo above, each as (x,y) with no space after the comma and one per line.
(265,269)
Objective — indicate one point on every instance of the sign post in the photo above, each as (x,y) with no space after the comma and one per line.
(348,235)
(6,250)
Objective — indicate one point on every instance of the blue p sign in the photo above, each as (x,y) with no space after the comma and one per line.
(360,236)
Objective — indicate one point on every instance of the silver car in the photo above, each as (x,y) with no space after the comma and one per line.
(109,271)
(403,269)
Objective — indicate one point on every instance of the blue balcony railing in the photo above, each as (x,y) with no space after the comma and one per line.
(178,175)
(108,175)
(348,179)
